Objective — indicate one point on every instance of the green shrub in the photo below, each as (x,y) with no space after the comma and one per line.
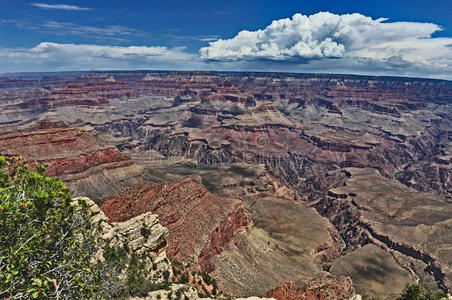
(417,292)
(137,283)
(45,243)
(145,231)
(184,278)
(115,256)
(178,293)
(206,277)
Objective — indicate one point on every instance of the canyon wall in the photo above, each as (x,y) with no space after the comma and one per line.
(234,164)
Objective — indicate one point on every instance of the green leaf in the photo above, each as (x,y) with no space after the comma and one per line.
(37,281)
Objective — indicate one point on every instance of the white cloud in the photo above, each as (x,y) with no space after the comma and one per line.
(111,33)
(338,38)
(206,38)
(49,49)
(107,32)
(324,42)
(52,56)
(61,6)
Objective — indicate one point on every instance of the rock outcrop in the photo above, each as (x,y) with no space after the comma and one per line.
(142,235)
(328,288)
(199,223)
(176,291)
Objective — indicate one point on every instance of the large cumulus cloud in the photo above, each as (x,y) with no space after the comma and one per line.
(367,41)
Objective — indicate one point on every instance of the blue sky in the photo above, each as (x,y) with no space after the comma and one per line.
(413,39)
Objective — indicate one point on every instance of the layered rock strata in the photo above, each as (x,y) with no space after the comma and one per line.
(87,166)
(199,222)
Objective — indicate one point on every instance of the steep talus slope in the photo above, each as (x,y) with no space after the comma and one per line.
(287,242)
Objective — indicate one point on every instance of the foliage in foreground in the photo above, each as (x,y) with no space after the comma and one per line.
(417,292)
(45,244)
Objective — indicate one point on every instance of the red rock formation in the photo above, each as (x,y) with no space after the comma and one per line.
(196,219)
(63,151)
(71,154)
(236,220)
(75,165)
(329,288)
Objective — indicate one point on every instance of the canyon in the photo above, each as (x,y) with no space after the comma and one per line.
(291,186)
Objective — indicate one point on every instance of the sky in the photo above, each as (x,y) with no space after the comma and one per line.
(396,37)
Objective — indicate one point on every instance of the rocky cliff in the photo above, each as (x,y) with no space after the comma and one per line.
(143,236)
(200,223)
(130,236)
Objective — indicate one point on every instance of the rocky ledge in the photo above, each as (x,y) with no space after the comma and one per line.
(130,235)
(328,288)
(199,222)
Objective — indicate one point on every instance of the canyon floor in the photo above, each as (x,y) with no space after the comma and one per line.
(275,184)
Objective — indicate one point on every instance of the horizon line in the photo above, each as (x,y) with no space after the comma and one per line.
(224,71)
